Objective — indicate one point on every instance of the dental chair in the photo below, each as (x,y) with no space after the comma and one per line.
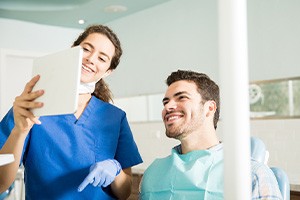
(283,182)
(260,154)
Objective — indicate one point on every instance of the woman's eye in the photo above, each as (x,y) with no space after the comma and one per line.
(102,59)
(85,49)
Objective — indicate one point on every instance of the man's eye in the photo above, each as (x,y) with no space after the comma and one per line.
(165,102)
(85,49)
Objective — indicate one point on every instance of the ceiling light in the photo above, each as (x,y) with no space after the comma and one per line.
(81,21)
(115,8)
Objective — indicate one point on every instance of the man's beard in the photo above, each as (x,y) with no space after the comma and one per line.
(183,129)
(176,133)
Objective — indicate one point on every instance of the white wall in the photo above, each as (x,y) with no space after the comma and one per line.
(177,34)
(18,35)
(274,42)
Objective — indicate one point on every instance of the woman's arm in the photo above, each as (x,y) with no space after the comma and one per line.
(13,145)
(121,187)
(24,120)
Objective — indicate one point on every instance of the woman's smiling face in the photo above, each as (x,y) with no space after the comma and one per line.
(98,52)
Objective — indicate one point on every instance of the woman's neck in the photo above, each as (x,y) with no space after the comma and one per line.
(83,100)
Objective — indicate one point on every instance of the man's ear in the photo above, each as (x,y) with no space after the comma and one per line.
(210,108)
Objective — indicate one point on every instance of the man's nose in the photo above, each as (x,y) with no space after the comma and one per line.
(171,105)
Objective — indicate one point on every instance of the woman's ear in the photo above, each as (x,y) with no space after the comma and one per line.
(107,73)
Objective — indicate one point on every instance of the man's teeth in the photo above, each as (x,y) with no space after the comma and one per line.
(86,68)
(173,118)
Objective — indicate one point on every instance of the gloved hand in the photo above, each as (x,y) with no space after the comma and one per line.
(101,174)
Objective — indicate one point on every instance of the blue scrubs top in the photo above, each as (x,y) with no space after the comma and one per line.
(58,153)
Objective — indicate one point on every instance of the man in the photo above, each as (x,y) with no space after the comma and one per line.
(194,170)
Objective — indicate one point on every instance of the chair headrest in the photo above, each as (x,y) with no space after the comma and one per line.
(258,149)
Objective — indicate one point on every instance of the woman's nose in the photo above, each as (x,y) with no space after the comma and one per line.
(91,58)
(88,59)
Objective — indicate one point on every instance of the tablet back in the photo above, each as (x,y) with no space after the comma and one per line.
(59,77)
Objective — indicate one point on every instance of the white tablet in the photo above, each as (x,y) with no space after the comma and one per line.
(59,77)
(6,159)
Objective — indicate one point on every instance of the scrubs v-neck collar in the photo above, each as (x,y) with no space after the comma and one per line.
(86,112)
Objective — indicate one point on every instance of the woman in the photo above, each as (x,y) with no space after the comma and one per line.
(64,156)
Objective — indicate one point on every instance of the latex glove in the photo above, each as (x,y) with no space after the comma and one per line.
(101,174)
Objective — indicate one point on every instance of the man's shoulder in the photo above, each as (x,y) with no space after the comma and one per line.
(258,167)
(264,183)
(160,162)
(260,171)
(160,165)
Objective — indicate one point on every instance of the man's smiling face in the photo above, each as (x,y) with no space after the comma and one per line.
(183,109)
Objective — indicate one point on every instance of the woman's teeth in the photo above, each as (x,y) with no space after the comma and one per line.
(86,68)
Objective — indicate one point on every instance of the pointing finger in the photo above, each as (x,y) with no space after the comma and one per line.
(89,179)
